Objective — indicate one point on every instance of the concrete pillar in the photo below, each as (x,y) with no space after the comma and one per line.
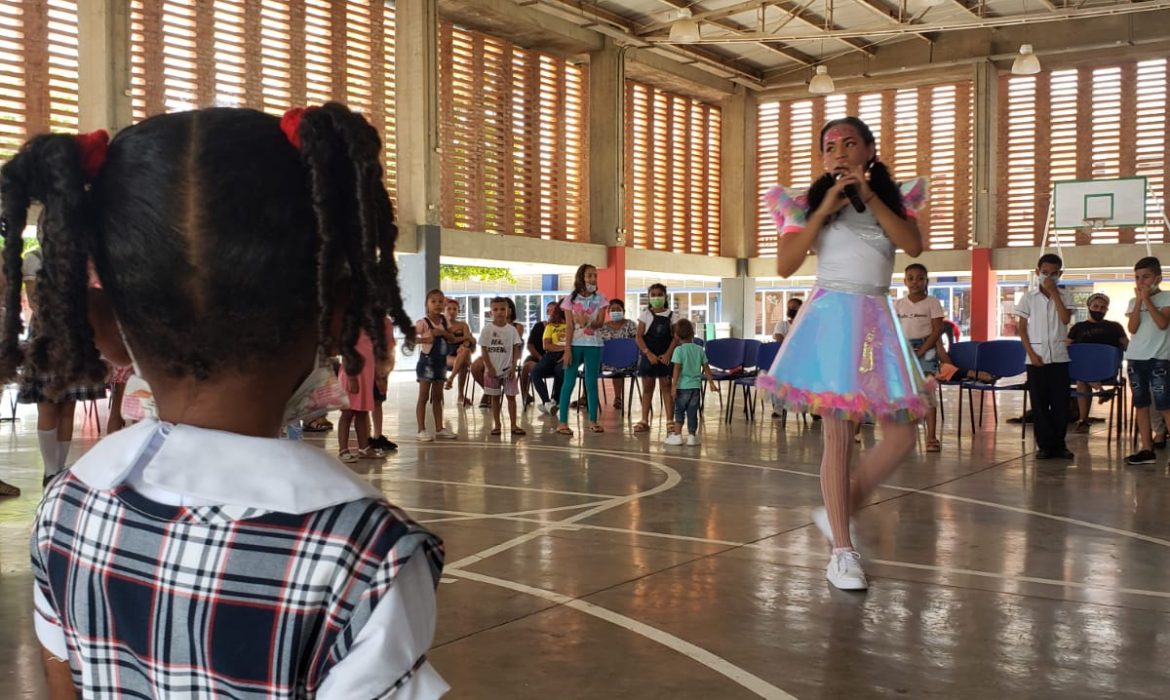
(417,100)
(419,185)
(103,28)
(984,290)
(611,280)
(737,301)
(607,86)
(737,224)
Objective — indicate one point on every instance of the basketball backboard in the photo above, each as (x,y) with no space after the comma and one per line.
(1100,203)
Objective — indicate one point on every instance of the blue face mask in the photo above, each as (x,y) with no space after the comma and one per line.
(616,315)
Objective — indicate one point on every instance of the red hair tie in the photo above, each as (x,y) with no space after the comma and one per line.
(290,124)
(94,146)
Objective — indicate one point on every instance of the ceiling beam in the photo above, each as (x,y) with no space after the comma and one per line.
(777,48)
(880,8)
(793,10)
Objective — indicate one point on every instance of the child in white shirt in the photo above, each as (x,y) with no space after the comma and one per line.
(921,318)
(500,343)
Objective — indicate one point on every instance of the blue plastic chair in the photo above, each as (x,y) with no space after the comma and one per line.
(765,355)
(963,356)
(725,355)
(1092,363)
(999,358)
(622,355)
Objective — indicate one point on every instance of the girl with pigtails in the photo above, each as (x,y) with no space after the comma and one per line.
(845,357)
(231,248)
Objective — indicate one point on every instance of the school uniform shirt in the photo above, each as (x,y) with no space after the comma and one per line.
(1045,331)
(498,344)
(1097,333)
(173,561)
(915,316)
(782,328)
(1149,342)
(584,310)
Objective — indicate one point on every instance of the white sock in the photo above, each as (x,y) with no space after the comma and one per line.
(63,453)
(47,439)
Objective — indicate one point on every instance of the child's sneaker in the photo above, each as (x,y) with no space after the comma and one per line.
(424,436)
(845,572)
(1142,457)
(446,434)
(692,441)
(673,439)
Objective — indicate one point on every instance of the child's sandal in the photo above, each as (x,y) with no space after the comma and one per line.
(519,431)
(347,457)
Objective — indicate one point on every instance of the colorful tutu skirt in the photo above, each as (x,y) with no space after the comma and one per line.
(846,357)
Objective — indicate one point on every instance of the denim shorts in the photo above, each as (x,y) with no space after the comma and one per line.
(929,361)
(1148,382)
(431,368)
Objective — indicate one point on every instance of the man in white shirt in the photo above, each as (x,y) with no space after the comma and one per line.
(784,326)
(1043,316)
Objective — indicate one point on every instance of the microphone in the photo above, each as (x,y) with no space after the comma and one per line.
(853,195)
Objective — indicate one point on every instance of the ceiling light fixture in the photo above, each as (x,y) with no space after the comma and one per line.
(822,82)
(684,30)
(1027,63)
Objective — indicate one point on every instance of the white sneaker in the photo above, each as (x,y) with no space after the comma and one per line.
(446,434)
(424,436)
(844,571)
(542,407)
(673,439)
(692,441)
(821,518)
(552,407)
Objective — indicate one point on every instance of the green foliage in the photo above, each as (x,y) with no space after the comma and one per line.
(462,273)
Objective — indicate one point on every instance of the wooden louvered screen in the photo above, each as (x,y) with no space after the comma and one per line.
(38,70)
(265,54)
(919,131)
(1081,124)
(512,127)
(672,171)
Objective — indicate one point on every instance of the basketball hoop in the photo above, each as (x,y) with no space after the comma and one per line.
(1095,223)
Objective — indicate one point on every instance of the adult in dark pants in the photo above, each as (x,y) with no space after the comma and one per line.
(550,363)
(535,349)
(1097,331)
(1043,316)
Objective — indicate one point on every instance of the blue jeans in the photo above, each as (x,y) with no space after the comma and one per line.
(1148,381)
(686,401)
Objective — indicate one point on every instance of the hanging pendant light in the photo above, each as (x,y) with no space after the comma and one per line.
(684,30)
(822,82)
(1027,63)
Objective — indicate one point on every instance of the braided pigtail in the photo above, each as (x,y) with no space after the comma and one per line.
(355,222)
(48,169)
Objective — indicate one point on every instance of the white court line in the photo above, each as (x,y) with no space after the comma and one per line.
(953,571)
(906,489)
(396,480)
(718,664)
(471,516)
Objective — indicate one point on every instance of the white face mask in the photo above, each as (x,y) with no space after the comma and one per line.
(590,288)
(319,393)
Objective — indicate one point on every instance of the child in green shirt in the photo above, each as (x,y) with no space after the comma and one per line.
(690,366)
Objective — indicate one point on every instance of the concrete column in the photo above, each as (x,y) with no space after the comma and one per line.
(104,65)
(737,301)
(607,94)
(984,290)
(737,224)
(419,184)
(417,100)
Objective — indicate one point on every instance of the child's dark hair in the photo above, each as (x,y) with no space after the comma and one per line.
(558,315)
(684,329)
(879,176)
(916,266)
(216,240)
(579,281)
(798,300)
(1050,259)
(1149,263)
(659,286)
(618,303)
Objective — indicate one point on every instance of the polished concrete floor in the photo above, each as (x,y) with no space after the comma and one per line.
(610,566)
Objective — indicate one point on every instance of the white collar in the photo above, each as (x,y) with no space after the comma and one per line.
(225,468)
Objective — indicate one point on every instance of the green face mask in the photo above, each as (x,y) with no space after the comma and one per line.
(657,302)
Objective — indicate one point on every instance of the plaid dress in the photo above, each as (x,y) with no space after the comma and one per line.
(159,601)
